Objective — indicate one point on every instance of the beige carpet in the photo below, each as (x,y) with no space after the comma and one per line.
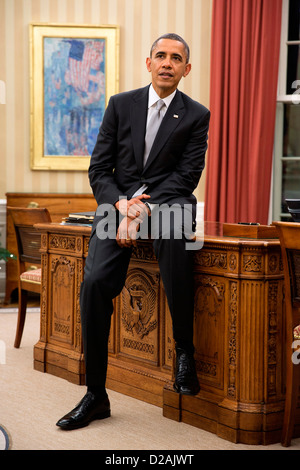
(31,402)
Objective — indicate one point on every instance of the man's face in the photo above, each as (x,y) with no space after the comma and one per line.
(167,66)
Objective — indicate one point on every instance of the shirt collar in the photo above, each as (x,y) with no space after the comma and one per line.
(153,97)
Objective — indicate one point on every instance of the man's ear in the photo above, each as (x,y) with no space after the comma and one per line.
(187,69)
(148,64)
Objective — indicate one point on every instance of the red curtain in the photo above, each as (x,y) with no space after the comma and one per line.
(244,70)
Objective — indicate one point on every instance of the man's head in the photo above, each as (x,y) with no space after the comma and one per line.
(174,37)
(168,63)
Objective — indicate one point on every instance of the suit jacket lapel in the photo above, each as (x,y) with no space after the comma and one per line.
(169,123)
(138,118)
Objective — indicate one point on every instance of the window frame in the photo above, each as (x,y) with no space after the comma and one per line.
(282,99)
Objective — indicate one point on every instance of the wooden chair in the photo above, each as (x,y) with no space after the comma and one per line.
(28,246)
(289,235)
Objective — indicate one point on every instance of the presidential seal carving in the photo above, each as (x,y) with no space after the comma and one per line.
(138,298)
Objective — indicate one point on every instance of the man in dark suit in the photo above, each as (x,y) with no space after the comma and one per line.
(134,172)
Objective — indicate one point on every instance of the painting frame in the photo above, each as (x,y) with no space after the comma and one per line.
(73,42)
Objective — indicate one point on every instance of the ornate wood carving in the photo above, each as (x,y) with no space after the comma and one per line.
(166,326)
(210,259)
(273,263)
(143,251)
(252,263)
(232,339)
(139,315)
(62,299)
(43,299)
(44,240)
(85,246)
(274,332)
(61,242)
(209,320)
(232,262)
(79,279)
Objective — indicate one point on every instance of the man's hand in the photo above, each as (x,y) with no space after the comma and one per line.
(133,208)
(127,232)
(134,212)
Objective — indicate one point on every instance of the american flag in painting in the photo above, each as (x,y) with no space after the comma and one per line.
(83,56)
(74,89)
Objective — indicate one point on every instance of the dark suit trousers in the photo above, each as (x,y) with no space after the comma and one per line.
(105,274)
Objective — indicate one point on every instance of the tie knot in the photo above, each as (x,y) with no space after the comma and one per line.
(159,105)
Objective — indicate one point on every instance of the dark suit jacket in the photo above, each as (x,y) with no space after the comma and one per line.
(176,160)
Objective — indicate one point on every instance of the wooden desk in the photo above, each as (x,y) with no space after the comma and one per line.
(238,331)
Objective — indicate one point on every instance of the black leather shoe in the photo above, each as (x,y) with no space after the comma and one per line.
(186,380)
(87,410)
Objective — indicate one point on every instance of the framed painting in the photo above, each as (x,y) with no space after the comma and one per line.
(73,72)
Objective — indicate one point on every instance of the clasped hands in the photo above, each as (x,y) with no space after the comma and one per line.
(134,212)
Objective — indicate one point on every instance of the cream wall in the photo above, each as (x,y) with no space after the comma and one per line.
(140,22)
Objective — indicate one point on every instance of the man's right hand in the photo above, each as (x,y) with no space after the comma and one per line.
(133,208)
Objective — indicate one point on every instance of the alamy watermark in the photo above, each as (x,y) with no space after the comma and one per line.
(296,353)
(166,222)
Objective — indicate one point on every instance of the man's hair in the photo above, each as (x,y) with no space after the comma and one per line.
(174,37)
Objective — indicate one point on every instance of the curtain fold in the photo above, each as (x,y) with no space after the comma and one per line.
(244,69)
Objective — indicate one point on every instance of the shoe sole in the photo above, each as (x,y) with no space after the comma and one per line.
(70,427)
